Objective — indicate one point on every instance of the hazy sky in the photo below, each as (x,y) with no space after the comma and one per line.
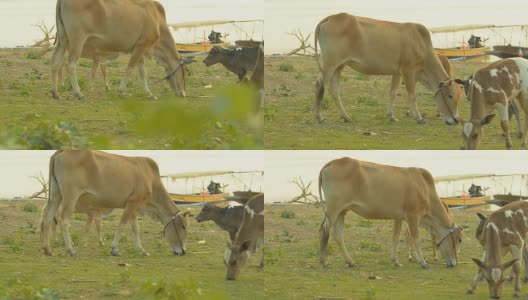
(283,166)
(17,167)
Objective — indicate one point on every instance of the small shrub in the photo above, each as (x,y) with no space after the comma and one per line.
(85,63)
(80,217)
(285,67)
(301,223)
(34,55)
(362,77)
(14,244)
(374,247)
(24,89)
(299,76)
(364,223)
(367,100)
(269,113)
(29,207)
(287,214)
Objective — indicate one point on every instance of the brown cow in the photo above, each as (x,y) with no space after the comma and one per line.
(505,231)
(136,28)
(374,47)
(495,87)
(111,181)
(250,236)
(376,191)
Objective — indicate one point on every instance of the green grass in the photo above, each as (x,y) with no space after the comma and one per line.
(106,120)
(293,270)
(95,274)
(290,122)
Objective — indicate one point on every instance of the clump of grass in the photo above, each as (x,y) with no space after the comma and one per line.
(29,207)
(370,246)
(367,100)
(300,76)
(287,214)
(362,77)
(34,55)
(85,63)
(286,67)
(185,289)
(24,89)
(301,223)
(269,113)
(14,244)
(364,223)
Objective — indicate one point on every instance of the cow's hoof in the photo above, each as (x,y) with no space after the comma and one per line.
(347,120)
(397,264)
(261,266)
(352,265)
(410,259)
(55,96)
(107,88)
(79,96)
(426,266)
(393,119)
(47,252)
(523,147)
(114,252)
(152,97)
(72,253)
(320,120)
(520,135)
(122,94)
(516,295)
(145,253)
(420,121)
(325,264)
(469,292)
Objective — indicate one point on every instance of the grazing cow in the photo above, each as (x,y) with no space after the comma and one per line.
(376,191)
(111,181)
(138,28)
(504,231)
(94,214)
(433,239)
(250,236)
(495,87)
(228,218)
(374,47)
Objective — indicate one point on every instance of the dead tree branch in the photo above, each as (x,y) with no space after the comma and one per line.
(306,48)
(45,187)
(306,196)
(48,40)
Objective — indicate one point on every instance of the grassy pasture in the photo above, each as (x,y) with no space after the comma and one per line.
(293,270)
(213,116)
(290,123)
(94,274)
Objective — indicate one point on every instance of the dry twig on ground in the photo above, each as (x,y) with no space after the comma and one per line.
(45,187)
(306,48)
(306,196)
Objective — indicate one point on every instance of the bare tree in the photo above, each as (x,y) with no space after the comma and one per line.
(45,187)
(306,48)
(48,39)
(306,196)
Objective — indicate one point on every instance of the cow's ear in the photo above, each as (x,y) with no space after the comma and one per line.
(508,264)
(487,119)
(245,246)
(461,82)
(480,263)
(186,61)
(482,217)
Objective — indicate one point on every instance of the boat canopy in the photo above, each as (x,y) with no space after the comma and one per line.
(469,27)
(470,176)
(188,175)
(196,24)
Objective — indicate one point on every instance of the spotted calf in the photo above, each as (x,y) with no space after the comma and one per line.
(494,87)
(504,231)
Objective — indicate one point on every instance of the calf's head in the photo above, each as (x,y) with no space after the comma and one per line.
(449,245)
(215,56)
(235,258)
(447,98)
(205,213)
(175,232)
(494,275)
(472,132)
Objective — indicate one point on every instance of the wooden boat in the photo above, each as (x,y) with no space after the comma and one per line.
(462,53)
(507,51)
(465,201)
(248,43)
(197,198)
(198,47)
(504,199)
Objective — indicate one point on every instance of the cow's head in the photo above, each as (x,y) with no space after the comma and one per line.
(205,213)
(177,75)
(447,97)
(235,257)
(494,275)
(215,56)
(449,245)
(480,228)
(175,232)
(466,84)
(472,132)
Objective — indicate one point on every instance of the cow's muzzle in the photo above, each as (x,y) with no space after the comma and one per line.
(179,252)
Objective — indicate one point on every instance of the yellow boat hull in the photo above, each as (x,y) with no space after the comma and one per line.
(466,202)
(198,47)
(462,53)
(188,199)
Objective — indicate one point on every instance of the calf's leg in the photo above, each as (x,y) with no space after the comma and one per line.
(395,241)
(339,225)
(393,92)
(135,230)
(334,92)
(319,94)
(413,224)
(478,276)
(410,85)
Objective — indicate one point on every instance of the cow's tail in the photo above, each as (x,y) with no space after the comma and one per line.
(324,230)
(60,34)
(316,38)
(50,209)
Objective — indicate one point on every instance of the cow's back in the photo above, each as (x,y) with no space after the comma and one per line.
(373,46)
(509,222)
(376,191)
(446,64)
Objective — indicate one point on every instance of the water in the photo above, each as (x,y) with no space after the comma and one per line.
(287,16)
(18,167)
(17,17)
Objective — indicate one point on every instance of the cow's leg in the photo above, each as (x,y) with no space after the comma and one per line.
(89,222)
(319,94)
(261,265)
(137,54)
(143,74)
(324,235)
(137,241)
(502,108)
(98,226)
(67,211)
(395,83)
(60,73)
(339,225)
(525,257)
(410,85)
(395,241)
(413,224)
(95,65)
(433,244)
(516,253)
(513,110)
(76,44)
(57,60)
(334,92)
(408,243)
(105,76)
(523,102)
(477,277)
